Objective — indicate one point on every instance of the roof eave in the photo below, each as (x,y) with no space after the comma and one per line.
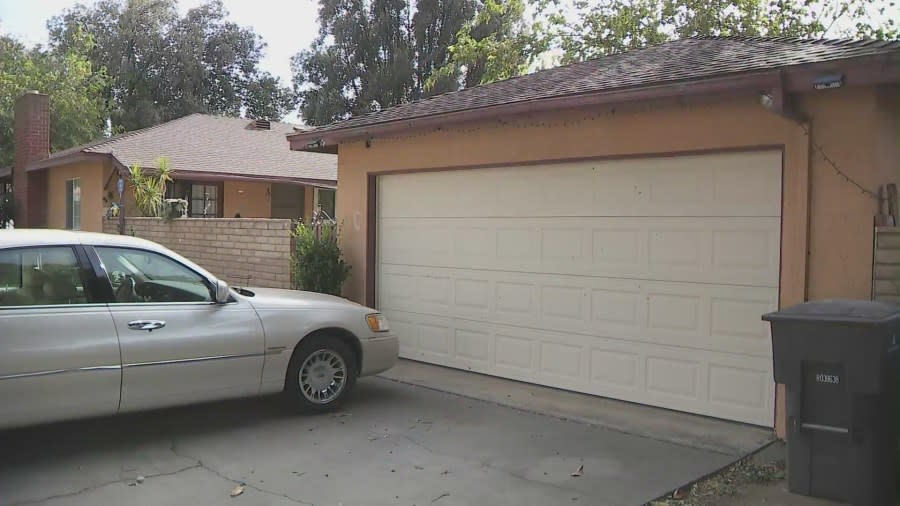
(224,176)
(874,70)
(79,156)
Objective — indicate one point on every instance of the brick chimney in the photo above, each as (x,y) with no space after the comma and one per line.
(31,143)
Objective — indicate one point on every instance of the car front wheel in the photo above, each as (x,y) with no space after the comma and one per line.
(320,375)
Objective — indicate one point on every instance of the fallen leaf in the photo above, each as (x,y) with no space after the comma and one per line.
(681,493)
(238,490)
(420,468)
(578,472)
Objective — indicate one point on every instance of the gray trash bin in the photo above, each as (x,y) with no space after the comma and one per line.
(838,361)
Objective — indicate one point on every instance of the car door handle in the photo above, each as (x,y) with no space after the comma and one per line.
(148,325)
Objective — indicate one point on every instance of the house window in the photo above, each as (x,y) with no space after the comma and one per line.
(204,201)
(73,204)
(325,200)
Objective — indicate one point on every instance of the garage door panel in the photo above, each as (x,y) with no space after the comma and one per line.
(710,383)
(641,279)
(738,184)
(742,251)
(673,377)
(690,315)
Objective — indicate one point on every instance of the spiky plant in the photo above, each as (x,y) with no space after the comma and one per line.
(149,189)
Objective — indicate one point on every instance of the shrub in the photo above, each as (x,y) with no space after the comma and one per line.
(317,263)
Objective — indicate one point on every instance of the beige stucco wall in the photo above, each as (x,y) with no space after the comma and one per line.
(91,179)
(827,224)
(250,199)
(854,130)
(852,125)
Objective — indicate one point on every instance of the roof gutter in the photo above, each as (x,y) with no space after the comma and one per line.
(861,71)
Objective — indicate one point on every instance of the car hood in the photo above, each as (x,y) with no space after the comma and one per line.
(274,298)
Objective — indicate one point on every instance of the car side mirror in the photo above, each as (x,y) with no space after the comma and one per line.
(222,292)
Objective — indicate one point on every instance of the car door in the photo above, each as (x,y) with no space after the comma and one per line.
(178,345)
(59,354)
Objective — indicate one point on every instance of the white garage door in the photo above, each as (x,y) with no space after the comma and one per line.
(641,279)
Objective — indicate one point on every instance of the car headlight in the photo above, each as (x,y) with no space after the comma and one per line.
(377,322)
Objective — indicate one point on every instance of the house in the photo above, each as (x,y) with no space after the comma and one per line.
(222,166)
(618,226)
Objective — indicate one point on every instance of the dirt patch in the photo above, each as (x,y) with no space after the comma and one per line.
(726,483)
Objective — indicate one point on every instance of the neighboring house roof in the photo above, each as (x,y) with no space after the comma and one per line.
(204,145)
(5,171)
(672,63)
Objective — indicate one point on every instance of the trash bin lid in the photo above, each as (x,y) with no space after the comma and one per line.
(838,311)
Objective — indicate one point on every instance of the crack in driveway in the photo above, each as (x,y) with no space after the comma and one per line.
(102,485)
(220,474)
(198,464)
(481,464)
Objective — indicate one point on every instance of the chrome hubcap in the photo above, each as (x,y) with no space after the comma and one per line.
(322,376)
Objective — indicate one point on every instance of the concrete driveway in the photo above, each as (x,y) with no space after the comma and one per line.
(394,443)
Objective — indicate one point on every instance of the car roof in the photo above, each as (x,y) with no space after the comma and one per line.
(46,237)
(19,238)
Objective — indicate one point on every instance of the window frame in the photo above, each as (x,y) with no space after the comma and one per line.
(72,204)
(218,200)
(317,201)
(184,188)
(93,292)
(101,272)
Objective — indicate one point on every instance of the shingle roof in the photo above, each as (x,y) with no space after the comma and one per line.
(216,144)
(672,62)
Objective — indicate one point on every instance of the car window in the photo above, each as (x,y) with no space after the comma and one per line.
(40,277)
(139,276)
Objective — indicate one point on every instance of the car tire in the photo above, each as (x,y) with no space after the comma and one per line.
(320,375)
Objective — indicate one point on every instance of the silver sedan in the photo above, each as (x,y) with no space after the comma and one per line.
(95,324)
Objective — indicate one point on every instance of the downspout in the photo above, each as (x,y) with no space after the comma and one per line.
(777,101)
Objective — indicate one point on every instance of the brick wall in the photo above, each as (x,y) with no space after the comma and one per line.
(31,139)
(242,251)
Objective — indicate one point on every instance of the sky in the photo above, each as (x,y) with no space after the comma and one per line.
(287,26)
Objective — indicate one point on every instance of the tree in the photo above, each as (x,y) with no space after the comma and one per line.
(163,66)
(497,44)
(77,107)
(373,54)
(614,26)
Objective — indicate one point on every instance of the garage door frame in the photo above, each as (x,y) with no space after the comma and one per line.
(372,270)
